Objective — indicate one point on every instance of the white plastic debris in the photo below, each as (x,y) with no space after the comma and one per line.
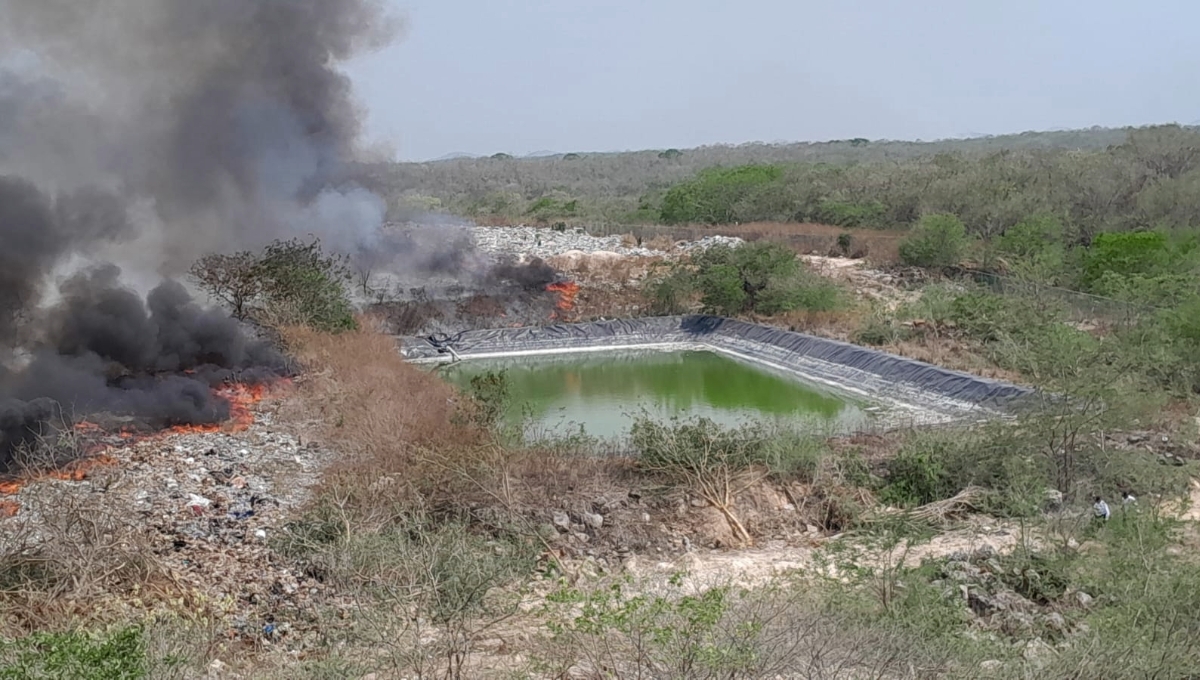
(198,504)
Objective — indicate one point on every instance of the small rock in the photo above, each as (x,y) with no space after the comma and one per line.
(984,552)
(645,517)
(698,503)
(1083,599)
(1054,499)
(1056,622)
(991,665)
(562,520)
(1037,652)
(260,534)
(812,529)
(593,520)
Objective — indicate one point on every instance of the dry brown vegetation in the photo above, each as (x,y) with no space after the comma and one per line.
(408,440)
(364,393)
(82,558)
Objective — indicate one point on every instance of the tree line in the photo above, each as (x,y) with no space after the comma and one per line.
(1093,179)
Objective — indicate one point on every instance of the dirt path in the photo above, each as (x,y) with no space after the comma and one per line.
(755,566)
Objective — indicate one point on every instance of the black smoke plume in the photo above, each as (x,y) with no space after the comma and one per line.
(136,136)
(532,275)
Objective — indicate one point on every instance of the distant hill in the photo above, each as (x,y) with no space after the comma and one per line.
(541,154)
(456,156)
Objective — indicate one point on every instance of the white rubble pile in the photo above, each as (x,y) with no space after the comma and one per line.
(710,241)
(542,242)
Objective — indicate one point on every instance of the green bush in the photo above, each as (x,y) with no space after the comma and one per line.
(844,242)
(120,655)
(1117,257)
(805,291)
(983,316)
(492,396)
(879,331)
(695,446)
(916,476)
(851,214)
(302,285)
(937,241)
(1034,249)
(289,282)
(1032,237)
(758,277)
(713,196)
(550,207)
(723,290)
(671,294)
(934,465)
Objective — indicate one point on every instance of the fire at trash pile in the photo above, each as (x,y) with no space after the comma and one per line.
(207,506)
(512,292)
(89,445)
(567,291)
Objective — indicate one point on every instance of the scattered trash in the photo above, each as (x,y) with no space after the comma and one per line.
(198,504)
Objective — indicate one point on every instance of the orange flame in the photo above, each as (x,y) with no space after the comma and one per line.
(241,400)
(75,471)
(567,291)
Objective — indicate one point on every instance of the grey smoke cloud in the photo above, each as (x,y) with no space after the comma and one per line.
(230,114)
(151,132)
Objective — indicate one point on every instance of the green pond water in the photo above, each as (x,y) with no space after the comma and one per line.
(602,393)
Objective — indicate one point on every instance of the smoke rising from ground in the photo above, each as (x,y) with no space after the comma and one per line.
(141,134)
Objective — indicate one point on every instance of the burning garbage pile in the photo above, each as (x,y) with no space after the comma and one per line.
(129,148)
(107,365)
(508,293)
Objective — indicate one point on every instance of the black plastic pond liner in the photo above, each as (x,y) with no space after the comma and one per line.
(852,365)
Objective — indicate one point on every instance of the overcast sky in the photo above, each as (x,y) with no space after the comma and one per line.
(521,76)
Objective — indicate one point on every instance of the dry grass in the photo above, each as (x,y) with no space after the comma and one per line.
(68,558)
(367,397)
(408,440)
(837,325)
(661,242)
(953,354)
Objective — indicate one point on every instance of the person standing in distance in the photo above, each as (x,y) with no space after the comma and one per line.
(1100,509)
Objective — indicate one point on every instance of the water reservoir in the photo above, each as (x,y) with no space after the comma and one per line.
(603,392)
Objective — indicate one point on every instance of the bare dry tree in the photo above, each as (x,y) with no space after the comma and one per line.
(717,465)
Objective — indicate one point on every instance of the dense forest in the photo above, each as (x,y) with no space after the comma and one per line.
(1093,180)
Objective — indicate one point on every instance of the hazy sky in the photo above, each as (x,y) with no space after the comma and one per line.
(520,76)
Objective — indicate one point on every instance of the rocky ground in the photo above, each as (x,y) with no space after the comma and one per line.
(205,513)
(545,243)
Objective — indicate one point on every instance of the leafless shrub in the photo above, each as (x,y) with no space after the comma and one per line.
(428,592)
(718,631)
(67,552)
